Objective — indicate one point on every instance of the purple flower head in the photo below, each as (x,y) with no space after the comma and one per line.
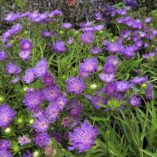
(4,144)
(88,29)
(83,137)
(42,139)
(110,68)
(41,68)
(69,122)
(106,77)
(29,76)
(87,38)
(25,55)
(149,55)
(59,47)
(52,112)
(135,100)
(11,17)
(96,50)
(99,28)
(75,112)
(12,68)
(27,154)
(131,3)
(99,16)
(110,89)
(7,114)
(46,34)
(23,140)
(37,112)
(41,124)
(3,55)
(55,13)
(33,99)
(60,101)
(75,85)
(114,47)
(88,66)
(138,80)
(149,91)
(5,153)
(51,93)
(112,60)
(85,24)
(48,79)
(15,79)
(71,40)
(122,86)
(26,45)
(147,19)
(66,25)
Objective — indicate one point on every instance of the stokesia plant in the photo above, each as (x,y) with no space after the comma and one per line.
(59,85)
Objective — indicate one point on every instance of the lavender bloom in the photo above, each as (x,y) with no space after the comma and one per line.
(129,52)
(106,77)
(149,92)
(110,89)
(149,55)
(23,140)
(138,80)
(42,139)
(55,13)
(15,79)
(26,45)
(41,68)
(66,25)
(87,38)
(60,101)
(112,60)
(96,50)
(41,124)
(33,99)
(4,144)
(83,137)
(27,154)
(37,112)
(110,68)
(59,47)
(88,66)
(11,17)
(122,86)
(52,112)
(25,55)
(135,100)
(46,34)
(12,68)
(29,76)
(3,55)
(131,3)
(7,114)
(51,93)
(114,47)
(71,40)
(75,112)
(69,122)
(5,153)
(99,28)
(47,79)
(75,85)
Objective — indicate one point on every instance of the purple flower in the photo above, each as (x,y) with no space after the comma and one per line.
(96,50)
(135,100)
(75,112)
(46,34)
(112,60)
(99,28)
(110,89)
(25,55)
(5,153)
(52,112)
(110,68)
(27,154)
(83,137)
(42,139)
(33,99)
(29,76)
(131,3)
(55,13)
(11,17)
(7,114)
(47,79)
(88,66)
(4,144)
(69,122)
(26,45)
(122,86)
(138,80)
(75,85)
(149,92)
(41,124)
(15,79)
(51,93)
(66,25)
(41,68)
(59,47)
(60,101)
(71,40)
(12,68)
(114,47)
(87,38)
(37,112)
(23,140)
(106,77)
(129,52)
(3,55)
